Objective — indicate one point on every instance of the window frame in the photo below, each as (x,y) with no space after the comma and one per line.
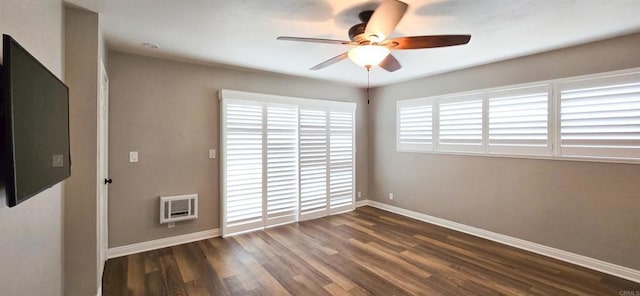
(554,126)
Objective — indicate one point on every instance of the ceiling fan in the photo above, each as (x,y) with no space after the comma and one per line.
(369,38)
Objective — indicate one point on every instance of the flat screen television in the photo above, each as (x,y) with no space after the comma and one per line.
(35,118)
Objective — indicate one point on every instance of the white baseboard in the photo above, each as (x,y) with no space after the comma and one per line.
(584,261)
(362,203)
(161,243)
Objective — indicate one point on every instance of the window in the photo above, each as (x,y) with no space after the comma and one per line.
(341,160)
(284,159)
(282,164)
(415,125)
(460,123)
(600,117)
(244,184)
(593,118)
(519,120)
(313,163)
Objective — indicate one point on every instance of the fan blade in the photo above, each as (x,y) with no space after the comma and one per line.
(416,42)
(330,61)
(315,40)
(390,63)
(385,19)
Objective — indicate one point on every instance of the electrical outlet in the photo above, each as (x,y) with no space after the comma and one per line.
(171,225)
(359,194)
(212,153)
(391,196)
(133,156)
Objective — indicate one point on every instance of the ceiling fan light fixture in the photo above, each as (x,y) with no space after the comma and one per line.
(368,36)
(368,55)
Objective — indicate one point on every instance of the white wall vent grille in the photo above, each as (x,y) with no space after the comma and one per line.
(178,208)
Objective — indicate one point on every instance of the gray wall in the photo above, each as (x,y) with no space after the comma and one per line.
(583,207)
(168,112)
(31,233)
(82,46)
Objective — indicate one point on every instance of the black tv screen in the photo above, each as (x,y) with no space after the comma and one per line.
(35,115)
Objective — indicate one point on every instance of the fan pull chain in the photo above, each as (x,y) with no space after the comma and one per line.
(368,83)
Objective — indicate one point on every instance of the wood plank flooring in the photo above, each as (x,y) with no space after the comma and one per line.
(365,252)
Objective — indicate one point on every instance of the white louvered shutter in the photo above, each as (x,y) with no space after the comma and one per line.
(284,159)
(415,125)
(313,162)
(243,132)
(519,121)
(600,117)
(460,123)
(282,164)
(341,162)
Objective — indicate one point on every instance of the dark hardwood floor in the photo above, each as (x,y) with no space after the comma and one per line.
(365,252)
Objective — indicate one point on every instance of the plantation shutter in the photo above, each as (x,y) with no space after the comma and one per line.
(314,138)
(243,180)
(341,162)
(519,121)
(460,123)
(415,125)
(284,159)
(600,117)
(282,164)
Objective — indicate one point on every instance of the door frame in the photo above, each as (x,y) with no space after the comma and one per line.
(102,225)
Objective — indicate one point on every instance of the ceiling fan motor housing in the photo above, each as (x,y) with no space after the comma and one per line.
(356,33)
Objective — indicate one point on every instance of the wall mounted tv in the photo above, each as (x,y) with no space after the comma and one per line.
(35,125)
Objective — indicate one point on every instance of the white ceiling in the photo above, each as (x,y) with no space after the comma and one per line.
(242,33)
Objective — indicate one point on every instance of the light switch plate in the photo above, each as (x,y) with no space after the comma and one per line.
(133,156)
(212,153)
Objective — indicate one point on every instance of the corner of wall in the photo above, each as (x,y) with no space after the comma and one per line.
(82,49)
